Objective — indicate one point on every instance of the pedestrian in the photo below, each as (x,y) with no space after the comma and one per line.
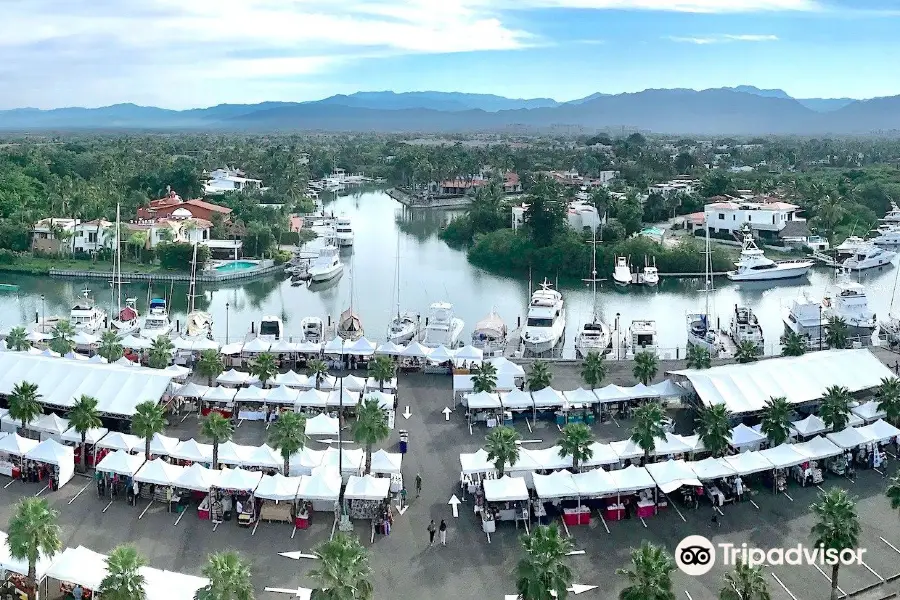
(403,497)
(418,485)
(431,530)
(714,522)
(443,530)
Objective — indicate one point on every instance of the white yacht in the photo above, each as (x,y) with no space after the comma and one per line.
(442,328)
(847,300)
(754,266)
(622,272)
(350,326)
(85,315)
(649,276)
(490,335)
(271,329)
(595,335)
(700,332)
(344,230)
(312,329)
(403,328)
(126,322)
(327,265)
(157,322)
(642,337)
(850,246)
(805,317)
(545,323)
(893,215)
(887,235)
(869,257)
(745,327)
(199,322)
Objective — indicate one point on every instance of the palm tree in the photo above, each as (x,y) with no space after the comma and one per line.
(110,348)
(33,533)
(836,333)
(648,427)
(124,580)
(539,376)
(576,442)
(15,339)
(485,379)
(715,428)
(543,573)
(218,429)
(381,369)
(836,528)
(747,352)
(160,352)
(889,398)
(264,367)
(148,420)
(835,407)
(63,332)
(370,428)
(698,357)
(502,447)
(344,572)
(209,365)
(83,417)
(289,436)
(645,367)
(229,578)
(745,583)
(776,420)
(793,344)
(319,370)
(893,491)
(650,576)
(24,403)
(593,369)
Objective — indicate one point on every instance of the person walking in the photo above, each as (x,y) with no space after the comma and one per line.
(431,530)
(418,485)
(443,530)
(403,497)
(714,522)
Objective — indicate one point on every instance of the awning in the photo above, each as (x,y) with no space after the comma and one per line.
(555,486)
(386,462)
(505,489)
(711,468)
(277,487)
(632,479)
(367,488)
(745,437)
(238,480)
(847,439)
(811,425)
(880,431)
(672,474)
(121,463)
(747,463)
(783,456)
(322,424)
(197,477)
(159,472)
(818,448)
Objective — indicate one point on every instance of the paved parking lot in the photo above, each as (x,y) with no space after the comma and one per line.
(470,567)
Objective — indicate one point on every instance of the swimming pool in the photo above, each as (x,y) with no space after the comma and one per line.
(653,231)
(236,265)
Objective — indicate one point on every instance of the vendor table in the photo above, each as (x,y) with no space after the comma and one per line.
(614,512)
(716,496)
(301,522)
(488,526)
(574,516)
(6,468)
(507,514)
(646,508)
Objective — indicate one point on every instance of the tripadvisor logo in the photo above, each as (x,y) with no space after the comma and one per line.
(695,555)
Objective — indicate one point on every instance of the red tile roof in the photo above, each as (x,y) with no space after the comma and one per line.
(209,206)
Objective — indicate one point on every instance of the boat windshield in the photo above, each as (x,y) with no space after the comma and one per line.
(645,340)
(154,323)
(764,267)
(269,328)
(536,322)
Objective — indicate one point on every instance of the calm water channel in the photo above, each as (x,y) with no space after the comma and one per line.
(431,271)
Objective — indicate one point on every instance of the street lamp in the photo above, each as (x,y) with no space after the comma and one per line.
(43,314)
(618,337)
(227,305)
(820,326)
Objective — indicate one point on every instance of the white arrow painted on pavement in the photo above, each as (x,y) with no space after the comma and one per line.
(407,414)
(578,588)
(511,597)
(331,441)
(402,510)
(296,555)
(454,504)
(446,412)
(529,441)
(304,593)
(575,553)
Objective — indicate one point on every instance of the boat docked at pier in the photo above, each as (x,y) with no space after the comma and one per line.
(403,328)
(344,230)
(198,322)
(642,337)
(271,329)
(594,336)
(327,265)
(127,321)
(754,266)
(805,317)
(869,256)
(350,326)
(157,322)
(86,315)
(545,324)
(490,335)
(847,300)
(442,328)
(649,276)
(893,215)
(312,329)
(886,235)
(849,247)
(745,328)
(622,272)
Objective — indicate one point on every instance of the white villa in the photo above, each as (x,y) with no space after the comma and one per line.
(231,180)
(765,216)
(579,216)
(674,186)
(79,236)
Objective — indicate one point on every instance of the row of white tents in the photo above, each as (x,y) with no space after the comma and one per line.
(509,397)
(360,347)
(286,396)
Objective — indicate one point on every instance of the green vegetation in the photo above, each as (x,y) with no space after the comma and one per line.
(342,571)
(288,436)
(648,427)
(370,428)
(576,442)
(543,573)
(650,575)
(26,264)
(776,420)
(33,532)
(714,427)
(502,447)
(229,578)
(836,528)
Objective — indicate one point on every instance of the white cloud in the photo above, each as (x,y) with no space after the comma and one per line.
(690,6)
(722,39)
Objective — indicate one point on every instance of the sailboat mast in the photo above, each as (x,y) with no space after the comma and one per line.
(118,258)
(594,275)
(707,266)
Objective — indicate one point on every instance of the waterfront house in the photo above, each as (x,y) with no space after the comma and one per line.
(93,236)
(179,229)
(766,216)
(579,216)
(460,187)
(53,235)
(231,180)
(165,207)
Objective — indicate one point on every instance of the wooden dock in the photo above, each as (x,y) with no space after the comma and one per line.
(204,277)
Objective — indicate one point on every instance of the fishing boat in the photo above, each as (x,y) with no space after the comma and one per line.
(745,328)
(490,335)
(545,324)
(622,272)
(404,326)
(442,327)
(805,317)
(157,322)
(650,274)
(594,335)
(754,266)
(642,337)
(271,329)
(847,300)
(312,329)
(86,315)
(199,323)
(327,265)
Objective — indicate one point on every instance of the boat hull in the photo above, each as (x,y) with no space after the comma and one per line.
(319,275)
(787,272)
(403,335)
(432,338)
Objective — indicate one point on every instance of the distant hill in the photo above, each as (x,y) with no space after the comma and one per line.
(443,101)
(817,104)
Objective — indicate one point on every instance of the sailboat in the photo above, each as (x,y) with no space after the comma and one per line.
(889,331)
(405,325)
(126,321)
(350,326)
(198,321)
(594,336)
(700,332)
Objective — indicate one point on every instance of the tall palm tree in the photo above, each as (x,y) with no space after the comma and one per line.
(539,376)
(15,339)
(793,344)
(264,367)
(893,491)
(124,580)
(485,379)
(593,369)
(698,357)
(370,428)
(33,533)
(645,367)
(381,369)
(24,403)
(542,574)
(715,428)
(747,352)
(209,365)
(148,420)
(288,435)
(837,527)
(160,352)
(650,575)
(110,347)
(648,427)
(889,398)
(836,333)
(835,407)
(62,333)
(776,420)
(218,429)
(576,442)
(83,417)
(343,572)
(319,370)
(745,583)
(502,447)
(229,578)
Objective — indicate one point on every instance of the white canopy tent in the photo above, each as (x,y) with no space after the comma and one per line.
(818,448)
(386,462)
(162,445)
(469,353)
(505,489)
(783,456)
(52,424)
(322,485)
(747,463)
(125,362)
(312,398)
(192,390)
(197,477)
(97,359)
(361,347)
(344,398)
(220,394)
(627,449)
(38,336)
(291,379)
(177,371)
(390,349)
(611,393)
(504,366)
(555,486)
(351,461)
(256,346)
(92,436)
(482,401)
(233,454)
(52,452)
(335,346)
(233,377)
(672,444)
(547,398)
(322,424)
(277,487)
(308,347)
(16,445)
(136,343)
(251,394)
(83,338)
(476,462)
(440,354)
(667,389)
(15,565)
(880,431)
(367,488)
(264,457)
(415,350)
(303,462)
(595,483)
(232,349)
(869,411)
(711,468)
(116,440)
(672,474)
(76,356)
(463,384)
(743,437)
(632,479)
(353,383)
(516,400)
(847,439)
(79,565)
(197,343)
(550,458)
(601,454)
(237,479)
(193,451)
(580,396)
(811,425)
(282,346)
(282,395)
(159,472)
(385,401)
(121,462)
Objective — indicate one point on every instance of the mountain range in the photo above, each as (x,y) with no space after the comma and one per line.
(740,110)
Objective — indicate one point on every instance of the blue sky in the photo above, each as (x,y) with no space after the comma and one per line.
(179,54)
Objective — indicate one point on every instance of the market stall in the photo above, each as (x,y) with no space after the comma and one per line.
(720,483)
(198,480)
(322,424)
(783,457)
(219,399)
(51,462)
(232,496)
(303,462)
(16,570)
(263,457)
(291,380)
(389,465)
(744,438)
(353,383)
(601,455)
(553,489)
(349,461)
(283,396)
(13,449)
(578,408)
(233,455)
(191,451)
(366,497)
(516,401)
(810,426)
(547,402)
(116,440)
(251,399)
(319,491)
(439,361)
(50,426)
(881,431)
(311,398)
(869,411)
(635,494)
(484,407)
(235,378)
(75,566)
(503,499)
(91,437)
(819,450)
(162,445)
(475,467)
(157,482)
(277,495)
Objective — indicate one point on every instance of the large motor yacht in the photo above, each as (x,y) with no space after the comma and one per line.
(754,266)
(847,300)
(271,329)
(327,265)
(312,329)
(545,324)
(869,257)
(642,337)
(893,215)
(442,328)
(886,235)
(490,335)
(344,230)
(745,328)
(157,322)
(805,317)
(849,247)
(85,315)
(622,272)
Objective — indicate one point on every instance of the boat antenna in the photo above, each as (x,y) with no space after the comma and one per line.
(118,259)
